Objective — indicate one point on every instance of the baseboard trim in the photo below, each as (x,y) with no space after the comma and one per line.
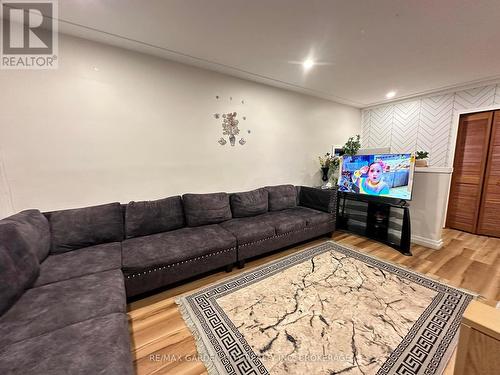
(427,242)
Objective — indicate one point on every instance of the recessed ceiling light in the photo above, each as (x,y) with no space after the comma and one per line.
(96,69)
(390,94)
(308,64)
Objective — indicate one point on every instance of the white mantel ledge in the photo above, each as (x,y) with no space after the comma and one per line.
(443,170)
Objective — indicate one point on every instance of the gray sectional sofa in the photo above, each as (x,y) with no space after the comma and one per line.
(65,276)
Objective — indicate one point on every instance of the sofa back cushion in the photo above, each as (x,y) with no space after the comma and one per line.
(282,197)
(249,203)
(318,199)
(82,227)
(19,266)
(34,228)
(11,288)
(205,209)
(149,217)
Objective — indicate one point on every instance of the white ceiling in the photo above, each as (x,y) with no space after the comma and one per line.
(368,47)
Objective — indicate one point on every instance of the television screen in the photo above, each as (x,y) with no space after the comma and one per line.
(386,175)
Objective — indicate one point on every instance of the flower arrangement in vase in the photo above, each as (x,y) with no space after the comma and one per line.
(329,163)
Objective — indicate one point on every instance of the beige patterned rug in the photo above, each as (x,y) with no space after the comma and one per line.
(326,310)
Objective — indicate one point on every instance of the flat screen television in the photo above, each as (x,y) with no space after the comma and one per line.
(385,175)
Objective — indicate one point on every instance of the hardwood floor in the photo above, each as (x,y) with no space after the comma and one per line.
(162,343)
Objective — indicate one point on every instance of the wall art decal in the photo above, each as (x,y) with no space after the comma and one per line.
(230,124)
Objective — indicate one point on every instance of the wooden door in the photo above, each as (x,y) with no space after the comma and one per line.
(468,171)
(489,214)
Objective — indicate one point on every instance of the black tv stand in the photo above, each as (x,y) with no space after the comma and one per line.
(381,219)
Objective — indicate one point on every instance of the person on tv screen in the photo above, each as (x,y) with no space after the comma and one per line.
(373,183)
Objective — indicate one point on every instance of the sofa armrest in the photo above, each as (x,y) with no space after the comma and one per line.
(318,199)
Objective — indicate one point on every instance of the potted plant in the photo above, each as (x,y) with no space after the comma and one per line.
(421,158)
(352,146)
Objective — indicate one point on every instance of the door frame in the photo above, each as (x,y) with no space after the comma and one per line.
(455,122)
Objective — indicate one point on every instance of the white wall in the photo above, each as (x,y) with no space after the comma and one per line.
(424,123)
(143,128)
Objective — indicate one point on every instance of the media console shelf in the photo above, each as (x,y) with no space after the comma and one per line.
(376,218)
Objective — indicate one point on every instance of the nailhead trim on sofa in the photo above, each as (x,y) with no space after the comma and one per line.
(276,236)
(218,252)
(176,264)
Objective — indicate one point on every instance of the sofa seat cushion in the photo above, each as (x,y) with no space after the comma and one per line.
(172,247)
(83,227)
(311,216)
(250,229)
(249,203)
(96,346)
(150,217)
(53,306)
(285,221)
(282,197)
(86,261)
(206,209)
(34,228)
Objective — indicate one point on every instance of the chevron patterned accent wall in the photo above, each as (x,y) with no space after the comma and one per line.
(424,123)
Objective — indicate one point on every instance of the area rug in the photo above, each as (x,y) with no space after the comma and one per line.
(326,310)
